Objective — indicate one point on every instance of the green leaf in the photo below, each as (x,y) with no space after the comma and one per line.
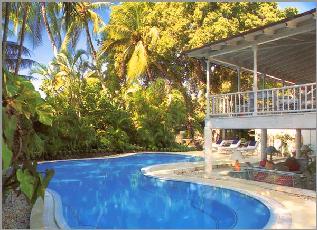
(45,113)
(27,182)
(6,156)
(9,127)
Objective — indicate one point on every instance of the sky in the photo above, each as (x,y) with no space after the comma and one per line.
(43,53)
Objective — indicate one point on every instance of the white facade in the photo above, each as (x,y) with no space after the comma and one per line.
(284,51)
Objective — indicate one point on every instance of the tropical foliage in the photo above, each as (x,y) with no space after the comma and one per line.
(131,89)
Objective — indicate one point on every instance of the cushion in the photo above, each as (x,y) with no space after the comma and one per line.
(235,142)
(263,163)
(219,142)
(292,164)
(252,143)
(269,165)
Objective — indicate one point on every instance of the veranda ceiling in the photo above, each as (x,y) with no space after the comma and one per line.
(286,49)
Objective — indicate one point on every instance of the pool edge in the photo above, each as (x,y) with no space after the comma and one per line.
(276,220)
(57,220)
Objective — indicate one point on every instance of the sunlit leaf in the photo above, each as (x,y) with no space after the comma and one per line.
(45,113)
(27,182)
(6,156)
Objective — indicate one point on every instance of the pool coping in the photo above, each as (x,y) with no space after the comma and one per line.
(55,219)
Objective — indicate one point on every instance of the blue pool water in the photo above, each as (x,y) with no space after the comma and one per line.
(113,193)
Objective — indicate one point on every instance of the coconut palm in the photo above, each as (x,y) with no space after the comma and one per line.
(134,38)
(25,17)
(11,55)
(77,17)
(25,9)
(65,74)
(5,30)
(49,12)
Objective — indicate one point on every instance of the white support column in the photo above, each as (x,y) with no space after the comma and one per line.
(208,131)
(208,90)
(208,149)
(255,77)
(263,143)
(223,134)
(298,142)
(239,86)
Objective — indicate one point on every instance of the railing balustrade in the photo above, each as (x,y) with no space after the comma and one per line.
(290,99)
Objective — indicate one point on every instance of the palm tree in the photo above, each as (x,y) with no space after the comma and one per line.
(5,31)
(25,8)
(50,10)
(29,24)
(11,54)
(77,16)
(65,74)
(134,38)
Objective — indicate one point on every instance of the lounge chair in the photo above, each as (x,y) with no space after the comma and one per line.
(219,143)
(233,146)
(250,149)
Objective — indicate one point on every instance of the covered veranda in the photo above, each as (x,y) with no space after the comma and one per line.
(284,51)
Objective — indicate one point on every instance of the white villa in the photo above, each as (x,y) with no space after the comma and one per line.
(284,50)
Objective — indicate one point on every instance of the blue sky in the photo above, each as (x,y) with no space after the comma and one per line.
(43,53)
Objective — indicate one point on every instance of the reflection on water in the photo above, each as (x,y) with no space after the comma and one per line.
(113,193)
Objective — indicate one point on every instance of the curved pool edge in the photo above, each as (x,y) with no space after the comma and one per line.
(280,217)
(52,214)
(48,214)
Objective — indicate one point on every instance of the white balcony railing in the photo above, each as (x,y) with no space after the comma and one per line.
(290,99)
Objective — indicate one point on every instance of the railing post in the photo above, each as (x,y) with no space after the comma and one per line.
(255,78)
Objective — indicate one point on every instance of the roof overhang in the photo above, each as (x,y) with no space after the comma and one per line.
(286,49)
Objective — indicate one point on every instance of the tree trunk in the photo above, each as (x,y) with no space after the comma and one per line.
(93,51)
(48,29)
(22,35)
(149,74)
(5,32)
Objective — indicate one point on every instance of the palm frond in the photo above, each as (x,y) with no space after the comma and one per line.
(25,63)
(34,25)
(152,36)
(108,44)
(13,49)
(138,62)
(69,11)
(53,11)
(71,37)
(79,54)
(97,21)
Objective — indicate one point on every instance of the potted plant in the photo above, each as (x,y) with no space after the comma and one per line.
(285,140)
(305,153)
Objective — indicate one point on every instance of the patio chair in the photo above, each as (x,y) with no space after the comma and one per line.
(228,149)
(219,143)
(250,149)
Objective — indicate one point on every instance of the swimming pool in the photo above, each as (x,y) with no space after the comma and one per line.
(113,193)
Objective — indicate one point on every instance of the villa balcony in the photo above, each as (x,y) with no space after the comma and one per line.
(286,107)
(290,99)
